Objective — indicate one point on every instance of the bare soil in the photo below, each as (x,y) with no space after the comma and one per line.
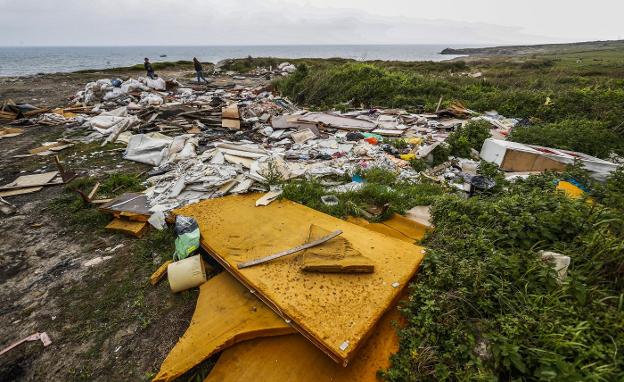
(106,322)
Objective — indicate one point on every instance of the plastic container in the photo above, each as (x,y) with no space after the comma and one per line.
(186,274)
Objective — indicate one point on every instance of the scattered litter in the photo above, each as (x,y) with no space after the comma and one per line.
(9,132)
(43,337)
(96,261)
(187,237)
(27,184)
(157,220)
(6,207)
(330,200)
(559,262)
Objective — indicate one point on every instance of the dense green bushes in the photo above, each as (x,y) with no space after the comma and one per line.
(510,89)
(470,136)
(590,137)
(484,306)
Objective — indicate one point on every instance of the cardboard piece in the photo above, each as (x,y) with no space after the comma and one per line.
(336,312)
(226,314)
(230,117)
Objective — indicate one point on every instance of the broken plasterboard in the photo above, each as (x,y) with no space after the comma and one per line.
(330,310)
(339,122)
(226,313)
(335,256)
(302,136)
(128,204)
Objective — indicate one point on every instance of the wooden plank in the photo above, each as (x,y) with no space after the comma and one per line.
(20,191)
(35,180)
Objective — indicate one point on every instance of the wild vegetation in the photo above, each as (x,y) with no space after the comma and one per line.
(553,93)
(485,305)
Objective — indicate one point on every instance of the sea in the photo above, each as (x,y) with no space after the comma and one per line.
(23,61)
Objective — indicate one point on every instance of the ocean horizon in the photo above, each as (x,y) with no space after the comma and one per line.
(31,60)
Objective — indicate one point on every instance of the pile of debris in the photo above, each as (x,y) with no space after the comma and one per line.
(207,142)
(326,289)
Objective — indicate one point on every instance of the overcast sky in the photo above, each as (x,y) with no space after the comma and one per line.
(277,22)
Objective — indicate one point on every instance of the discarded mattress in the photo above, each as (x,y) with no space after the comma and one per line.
(226,314)
(336,312)
(292,358)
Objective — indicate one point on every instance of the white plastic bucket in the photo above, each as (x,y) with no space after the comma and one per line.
(186,274)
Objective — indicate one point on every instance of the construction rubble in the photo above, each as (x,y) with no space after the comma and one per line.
(303,296)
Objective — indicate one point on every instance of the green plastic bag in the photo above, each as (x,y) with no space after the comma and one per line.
(187,240)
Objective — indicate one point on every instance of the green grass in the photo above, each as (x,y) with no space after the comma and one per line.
(589,90)
(381,188)
(77,215)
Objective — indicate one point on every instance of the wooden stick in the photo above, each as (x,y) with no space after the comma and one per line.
(439,104)
(93,191)
(287,252)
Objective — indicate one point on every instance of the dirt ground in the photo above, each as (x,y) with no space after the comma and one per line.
(106,322)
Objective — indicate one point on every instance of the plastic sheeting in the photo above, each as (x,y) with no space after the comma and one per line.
(226,314)
(336,312)
(155,148)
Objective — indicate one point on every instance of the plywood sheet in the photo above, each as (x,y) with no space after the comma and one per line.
(34,180)
(399,227)
(336,312)
(133,228)
(335,256)
(292,358)
(226,314)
